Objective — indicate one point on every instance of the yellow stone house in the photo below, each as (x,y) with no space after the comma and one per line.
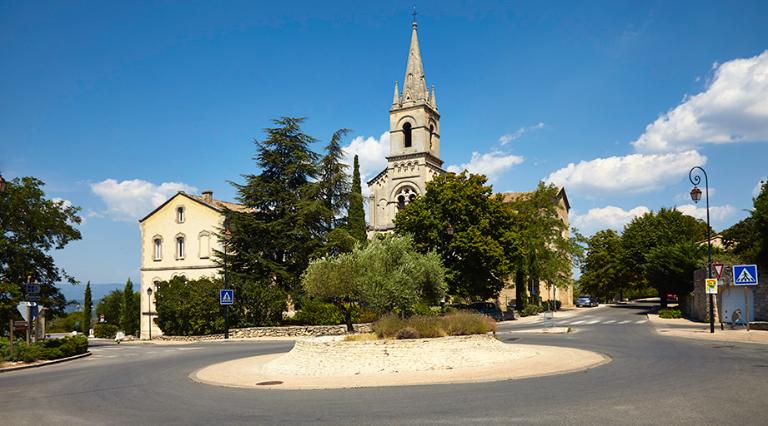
(178,239)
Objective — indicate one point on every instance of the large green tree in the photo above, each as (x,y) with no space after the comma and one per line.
(111,306)
(649,238)
(548,252)
(748,239)
(385,275)
(31,228)
(285,223)
(356,212)
(471,228)
(333,181)
(602,272)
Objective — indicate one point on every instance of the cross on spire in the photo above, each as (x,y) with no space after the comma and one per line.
(414,13)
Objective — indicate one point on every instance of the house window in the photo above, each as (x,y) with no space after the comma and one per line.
(180,214)
(158,248)
(407,133)
(180,248)
(205,245)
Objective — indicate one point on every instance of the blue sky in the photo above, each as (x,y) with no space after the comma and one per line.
(117,105)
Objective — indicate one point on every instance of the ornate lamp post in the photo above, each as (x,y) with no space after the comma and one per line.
(696,196)
(149,310)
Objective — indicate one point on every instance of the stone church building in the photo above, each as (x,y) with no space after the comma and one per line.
(414,160)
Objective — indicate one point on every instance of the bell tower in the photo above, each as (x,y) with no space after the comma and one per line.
(414,145)
(414,123)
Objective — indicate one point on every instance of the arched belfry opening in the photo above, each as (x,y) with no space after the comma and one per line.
(408,137)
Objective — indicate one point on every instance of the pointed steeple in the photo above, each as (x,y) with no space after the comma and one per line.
(432,98)
(414,84)
(396,98)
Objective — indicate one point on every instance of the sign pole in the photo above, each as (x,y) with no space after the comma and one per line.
(746,305)
(10,337)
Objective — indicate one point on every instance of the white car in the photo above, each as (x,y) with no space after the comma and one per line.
(586,300)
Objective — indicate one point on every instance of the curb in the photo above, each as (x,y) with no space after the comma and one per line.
(44,363)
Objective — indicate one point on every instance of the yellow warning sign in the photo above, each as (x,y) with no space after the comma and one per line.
(711,285)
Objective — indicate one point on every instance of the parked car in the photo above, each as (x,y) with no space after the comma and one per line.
(586,300)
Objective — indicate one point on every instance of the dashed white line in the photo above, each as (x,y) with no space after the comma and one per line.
(625,322)
(593,322)
(609,322)
(641,321)
(577,322)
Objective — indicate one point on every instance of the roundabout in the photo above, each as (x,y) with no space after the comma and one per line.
(332,363)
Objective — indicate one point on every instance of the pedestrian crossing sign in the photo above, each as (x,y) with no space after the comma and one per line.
(745,274)
(226,296)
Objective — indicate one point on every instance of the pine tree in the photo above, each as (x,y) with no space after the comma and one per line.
(334,181)
(129,314)
(273,241)
(355,213)
(87,309)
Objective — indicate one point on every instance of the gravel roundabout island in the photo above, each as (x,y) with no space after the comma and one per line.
(331,362)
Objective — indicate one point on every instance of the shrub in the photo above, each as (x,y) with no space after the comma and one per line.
(670,313)
(408,333)
(360,337)
(187,308)
(454,324)
(105,331)
(464,323)
(317,313)
(530,310)
(553,305)
(45,349)
(362,315)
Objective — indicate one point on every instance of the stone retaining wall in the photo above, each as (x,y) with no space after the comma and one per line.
(290,331)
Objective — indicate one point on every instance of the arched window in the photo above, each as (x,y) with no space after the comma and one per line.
(180,247)
(400,202)
(431,132)
(180,214)
(157,244)
(407,133)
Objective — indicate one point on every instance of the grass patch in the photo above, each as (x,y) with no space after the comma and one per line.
(459,323)
(670,313)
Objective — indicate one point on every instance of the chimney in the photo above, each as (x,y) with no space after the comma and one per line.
(208,196)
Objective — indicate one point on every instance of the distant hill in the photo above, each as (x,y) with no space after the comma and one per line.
(77,292)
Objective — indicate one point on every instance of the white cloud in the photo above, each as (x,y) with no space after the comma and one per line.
(491,164)
(759,186)
(632,173)
(716,213)
(62,202)
(509,137)
(372,155)
(131,200)
(609,217)
(733,108)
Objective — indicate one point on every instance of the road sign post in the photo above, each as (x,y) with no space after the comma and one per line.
(745,276)
(226,298)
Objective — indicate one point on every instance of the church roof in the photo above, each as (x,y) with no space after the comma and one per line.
(214,204)
(415,82)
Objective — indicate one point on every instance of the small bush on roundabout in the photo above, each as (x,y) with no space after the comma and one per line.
(459,323)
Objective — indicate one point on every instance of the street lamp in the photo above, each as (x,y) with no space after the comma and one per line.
(696,196)
(149,310)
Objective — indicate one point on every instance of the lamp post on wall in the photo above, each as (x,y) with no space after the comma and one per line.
(696,196)
(149,310)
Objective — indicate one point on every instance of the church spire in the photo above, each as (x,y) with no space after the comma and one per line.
(414,84)
(396,98)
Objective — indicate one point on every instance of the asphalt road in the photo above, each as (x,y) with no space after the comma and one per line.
(651,380)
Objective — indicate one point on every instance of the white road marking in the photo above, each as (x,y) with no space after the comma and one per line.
(609,322)
(593,321)
(625,322)
(577,322)
(641,321)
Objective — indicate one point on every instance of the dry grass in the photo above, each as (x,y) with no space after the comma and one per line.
(360,337)
(458,323)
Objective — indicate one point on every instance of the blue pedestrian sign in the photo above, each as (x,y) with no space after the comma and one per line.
(226,296)
(745,274)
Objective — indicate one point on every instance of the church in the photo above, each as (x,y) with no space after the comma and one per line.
(414,160)
(414,145)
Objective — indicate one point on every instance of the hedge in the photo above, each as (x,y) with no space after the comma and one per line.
(44,350)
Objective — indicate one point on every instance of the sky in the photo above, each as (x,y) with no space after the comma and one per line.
(118,105)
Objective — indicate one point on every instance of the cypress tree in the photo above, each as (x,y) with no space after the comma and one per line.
(87,309)
(129,312)
(355,212)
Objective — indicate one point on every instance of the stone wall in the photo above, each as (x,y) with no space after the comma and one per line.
(698,307)
(291,331)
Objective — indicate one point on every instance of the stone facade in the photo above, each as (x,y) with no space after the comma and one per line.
(698,302)
(178,239)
